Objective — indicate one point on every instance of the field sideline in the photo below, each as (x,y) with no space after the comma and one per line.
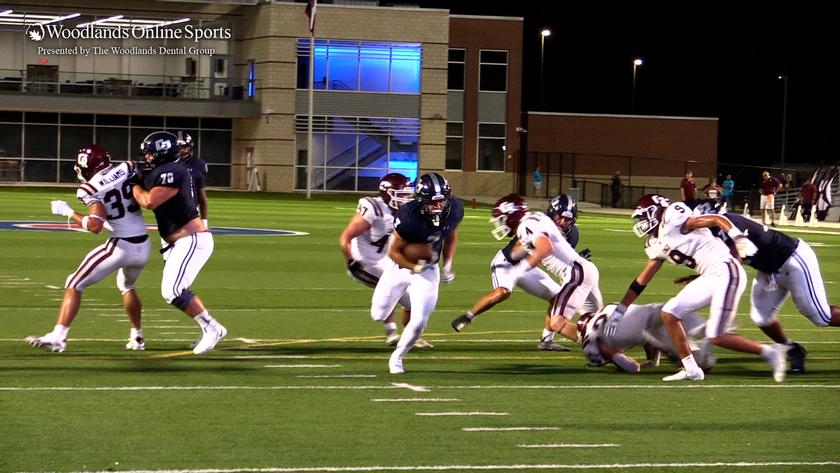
(301,383)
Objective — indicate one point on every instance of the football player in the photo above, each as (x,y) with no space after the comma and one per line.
(542,235)
(432,218)
(364,242)
(783,265)
(507,213)
(106,192)
(641,325)
(673,234)
(198,171)
(167,189)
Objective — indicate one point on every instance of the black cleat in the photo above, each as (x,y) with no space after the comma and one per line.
(460,323)
(796,354)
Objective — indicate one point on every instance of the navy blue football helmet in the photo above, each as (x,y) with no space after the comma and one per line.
(158,148)
(563,206)
(433,192)
(185,145)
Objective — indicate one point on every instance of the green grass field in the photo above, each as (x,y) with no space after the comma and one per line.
(309,390)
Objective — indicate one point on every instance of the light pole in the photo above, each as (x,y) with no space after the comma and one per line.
(544,33)
(784,120)
(636,63)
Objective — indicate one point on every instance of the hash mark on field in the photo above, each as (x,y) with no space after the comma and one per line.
(302,366)
(570,445)
(336,376)
(441,414)
(549,466)
(506,429)
(417,399)
(50,286)
(417,389)
(269,357)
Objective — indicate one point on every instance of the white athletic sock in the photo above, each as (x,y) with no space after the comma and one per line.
(60,331)
(690,364)
(390,327)
(766,352)
(203,319)
(469,315)
(136,332)
(547,335)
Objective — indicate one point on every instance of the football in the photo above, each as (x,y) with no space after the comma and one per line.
(415,252)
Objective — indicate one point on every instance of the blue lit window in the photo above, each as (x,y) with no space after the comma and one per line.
(361,66)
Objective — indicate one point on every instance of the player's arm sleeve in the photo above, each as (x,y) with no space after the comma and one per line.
(86,196)
(367,210)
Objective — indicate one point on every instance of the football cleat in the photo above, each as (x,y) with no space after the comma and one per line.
(778,361)
(392,337)
(420,343)
(461,323)
(48,342)
(136,343)
(683,375)
(797,354)
(551,345)
(211,335)
(395,365)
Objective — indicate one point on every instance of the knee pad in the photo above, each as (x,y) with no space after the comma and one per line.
(182,300)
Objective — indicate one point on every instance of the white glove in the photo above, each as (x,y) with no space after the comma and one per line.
(519,269)
(420,266)
(743,244)
(60,207)
(447,275)
(614,320)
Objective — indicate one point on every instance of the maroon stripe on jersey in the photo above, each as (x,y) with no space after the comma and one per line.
(376,208)
(87,188)
(729,301)
(561,299)
(91,262)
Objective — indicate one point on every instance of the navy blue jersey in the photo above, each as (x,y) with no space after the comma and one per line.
(774,248)
(572,236)
(414,227)
(198,171)
(180,209)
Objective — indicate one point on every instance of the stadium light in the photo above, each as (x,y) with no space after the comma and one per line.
(544,33)
(636,63)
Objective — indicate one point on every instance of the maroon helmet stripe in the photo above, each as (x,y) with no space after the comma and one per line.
(88,265)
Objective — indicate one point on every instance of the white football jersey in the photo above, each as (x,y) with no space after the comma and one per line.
(698,249)
(110,188)
(372,245)
(535,224)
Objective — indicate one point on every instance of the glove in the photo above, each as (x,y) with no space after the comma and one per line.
(352,266)
(614,320)
(743,245)
(447,275)
(420,266)
(585,253)
(60,207)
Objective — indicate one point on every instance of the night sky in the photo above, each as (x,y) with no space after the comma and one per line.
(702,59)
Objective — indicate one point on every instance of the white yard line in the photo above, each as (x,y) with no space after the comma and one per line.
(416,399)
(536,466)
(570,445)
(507,429)
(411,387)
(459,414)
(302,366)
(336,376)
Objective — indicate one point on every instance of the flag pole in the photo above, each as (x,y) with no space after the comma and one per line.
(311,111)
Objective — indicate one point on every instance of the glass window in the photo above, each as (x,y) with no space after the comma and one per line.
(493,71)
(112,120)
(16,117)
(491,147)
(76,118)
(156,122)
(303,71)
(10,140)
(40,171)
(457,69)
(115,140)
(320,67)
(218,176)
(341,150)
(405,70)
(74,138)
(33,117)
(181,123)
(454,146)
(343,68)
(218,123)
(41,142)
(215,146)
(374,66)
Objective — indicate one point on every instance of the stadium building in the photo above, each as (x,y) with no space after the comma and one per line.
(395,89)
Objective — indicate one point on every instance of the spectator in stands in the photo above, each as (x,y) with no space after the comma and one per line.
(768,188)
(712,190)
(807,199)
(615,189)
(537,181)
(688,188)
(728,191)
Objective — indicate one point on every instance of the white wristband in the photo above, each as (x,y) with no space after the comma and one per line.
(85,221)
(204,221)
